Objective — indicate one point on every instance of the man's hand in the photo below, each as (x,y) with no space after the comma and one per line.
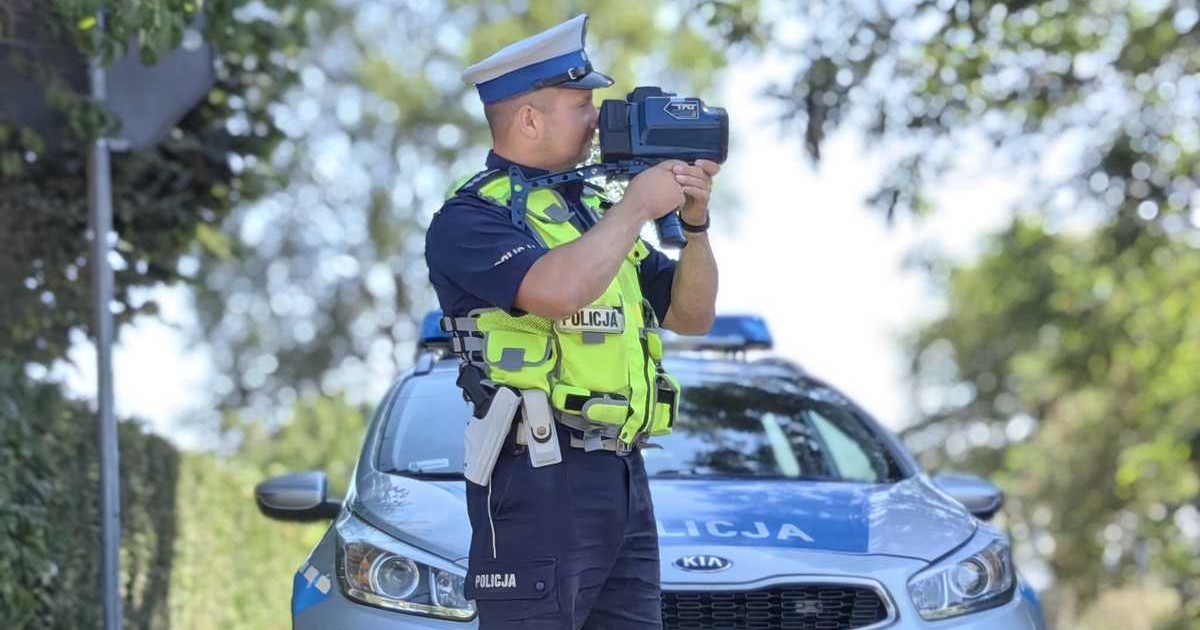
(697,187)
(655,191)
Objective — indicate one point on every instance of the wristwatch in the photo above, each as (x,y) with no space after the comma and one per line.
(688,227)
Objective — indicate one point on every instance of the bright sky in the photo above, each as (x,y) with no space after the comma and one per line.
(799,246)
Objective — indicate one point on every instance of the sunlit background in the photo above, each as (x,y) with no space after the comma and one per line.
(980,220)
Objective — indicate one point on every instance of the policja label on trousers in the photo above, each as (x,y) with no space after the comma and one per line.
(598,319)
(511,579)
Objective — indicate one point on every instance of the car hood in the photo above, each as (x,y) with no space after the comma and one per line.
(430,515)
(911,519)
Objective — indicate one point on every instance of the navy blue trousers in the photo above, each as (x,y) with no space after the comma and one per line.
(568,546)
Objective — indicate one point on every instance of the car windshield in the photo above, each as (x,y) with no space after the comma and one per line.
(729,425)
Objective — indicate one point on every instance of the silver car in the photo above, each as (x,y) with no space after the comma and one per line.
(780,504)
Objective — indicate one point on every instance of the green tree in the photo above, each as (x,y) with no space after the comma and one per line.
(1075,335)
(165,198)
(1071,377)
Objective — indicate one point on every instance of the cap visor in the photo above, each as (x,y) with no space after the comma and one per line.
(590,81)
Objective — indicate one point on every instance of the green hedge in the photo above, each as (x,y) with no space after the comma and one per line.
(49,513)
(196,554)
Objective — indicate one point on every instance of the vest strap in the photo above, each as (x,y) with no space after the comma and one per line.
(461,345)
(459,325)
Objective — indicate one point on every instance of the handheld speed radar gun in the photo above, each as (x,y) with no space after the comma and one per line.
(646,128)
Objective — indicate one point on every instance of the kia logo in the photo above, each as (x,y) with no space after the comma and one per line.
(702,563)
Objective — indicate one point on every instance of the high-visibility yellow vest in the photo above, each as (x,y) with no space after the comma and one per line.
(602,364)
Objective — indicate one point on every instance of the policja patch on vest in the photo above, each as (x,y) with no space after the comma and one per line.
(597,319)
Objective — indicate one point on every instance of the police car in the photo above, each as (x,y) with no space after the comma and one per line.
(780,504)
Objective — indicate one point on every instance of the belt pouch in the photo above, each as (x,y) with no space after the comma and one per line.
(540,435)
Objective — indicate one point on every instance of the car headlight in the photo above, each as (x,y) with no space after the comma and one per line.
(372,568)
(970,580)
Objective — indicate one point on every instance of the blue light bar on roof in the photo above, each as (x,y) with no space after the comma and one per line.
(728,333)
(431,329)
(751,329)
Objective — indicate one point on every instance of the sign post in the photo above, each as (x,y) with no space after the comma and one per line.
(100,221)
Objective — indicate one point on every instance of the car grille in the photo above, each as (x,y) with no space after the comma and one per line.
(793,607)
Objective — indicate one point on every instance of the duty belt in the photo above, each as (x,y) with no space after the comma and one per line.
(595,437)
(467,342)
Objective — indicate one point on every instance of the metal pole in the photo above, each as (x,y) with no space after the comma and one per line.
(100,219)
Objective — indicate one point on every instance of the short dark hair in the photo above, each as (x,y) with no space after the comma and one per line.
(500,114)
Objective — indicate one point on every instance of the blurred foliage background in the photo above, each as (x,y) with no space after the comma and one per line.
(292,204)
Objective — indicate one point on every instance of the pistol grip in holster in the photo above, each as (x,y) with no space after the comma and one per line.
(470,381)
(485,436)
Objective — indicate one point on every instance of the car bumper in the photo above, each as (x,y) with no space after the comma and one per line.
(338,612)
(329,608)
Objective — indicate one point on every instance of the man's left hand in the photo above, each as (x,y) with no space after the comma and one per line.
(696,181)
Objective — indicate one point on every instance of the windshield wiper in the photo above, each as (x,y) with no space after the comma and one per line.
(434,476)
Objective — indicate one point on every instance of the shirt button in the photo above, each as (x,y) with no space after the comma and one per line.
(539,586)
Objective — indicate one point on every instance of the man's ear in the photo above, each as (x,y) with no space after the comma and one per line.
(530,123)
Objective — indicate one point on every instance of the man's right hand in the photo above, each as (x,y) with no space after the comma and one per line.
(654,192)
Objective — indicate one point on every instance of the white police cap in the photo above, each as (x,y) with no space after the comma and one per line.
(553,58)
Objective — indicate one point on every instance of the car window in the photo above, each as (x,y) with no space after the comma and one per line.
(776,427)
(729,425)
(424,430)
(848,455)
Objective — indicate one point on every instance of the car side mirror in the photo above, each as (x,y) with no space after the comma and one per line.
(300,497)
(980,496)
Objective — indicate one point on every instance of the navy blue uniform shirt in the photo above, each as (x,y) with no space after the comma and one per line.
(477,258)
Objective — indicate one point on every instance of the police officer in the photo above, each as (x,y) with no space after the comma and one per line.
(560,308)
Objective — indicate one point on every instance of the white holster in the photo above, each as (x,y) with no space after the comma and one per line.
(485,436)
